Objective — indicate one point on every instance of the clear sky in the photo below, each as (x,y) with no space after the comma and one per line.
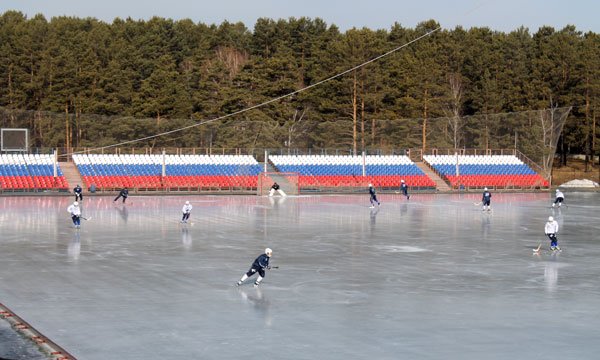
(502,15)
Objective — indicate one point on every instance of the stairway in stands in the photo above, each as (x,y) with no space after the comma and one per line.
(440,184)
(72,175)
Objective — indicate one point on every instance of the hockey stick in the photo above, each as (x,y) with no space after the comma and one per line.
(477,204)
(87,219)
(273,267)
(537,251)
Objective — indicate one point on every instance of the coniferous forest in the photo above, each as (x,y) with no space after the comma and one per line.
(81,82)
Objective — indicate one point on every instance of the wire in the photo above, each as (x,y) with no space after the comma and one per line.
(261,104)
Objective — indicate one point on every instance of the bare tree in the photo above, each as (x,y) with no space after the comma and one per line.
(454,120)
(295,129)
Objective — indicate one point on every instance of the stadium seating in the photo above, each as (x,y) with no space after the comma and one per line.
(500,171)
(181,171)
(347,170)
(29,172)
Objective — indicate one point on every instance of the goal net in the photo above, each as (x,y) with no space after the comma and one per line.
(288,182)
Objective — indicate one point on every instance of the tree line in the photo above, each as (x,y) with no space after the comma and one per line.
(81,82)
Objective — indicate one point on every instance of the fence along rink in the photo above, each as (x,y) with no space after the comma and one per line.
(288,182)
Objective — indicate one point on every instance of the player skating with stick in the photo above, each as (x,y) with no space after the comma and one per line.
(551,229)
(187,210)
(560,197)
(373,198)
(75,212)
(404,189)
(260,264)
(124,193)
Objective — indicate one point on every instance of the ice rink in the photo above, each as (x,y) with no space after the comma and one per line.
(429,278)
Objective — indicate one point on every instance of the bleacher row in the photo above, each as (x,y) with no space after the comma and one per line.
(109,171)
(181,171)
(347,171)
(485,170)
(29,171)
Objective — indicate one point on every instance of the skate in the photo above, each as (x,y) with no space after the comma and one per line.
(407,197)
(557,248)
(372,207)
(256,284)
(552,248)
(238,283)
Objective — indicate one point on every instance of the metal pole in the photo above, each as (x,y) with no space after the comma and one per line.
(364,164)
(266,160)
(55,164)
(164,164)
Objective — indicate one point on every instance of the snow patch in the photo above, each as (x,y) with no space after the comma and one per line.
(580,184)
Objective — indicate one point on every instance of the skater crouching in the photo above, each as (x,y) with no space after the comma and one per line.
(260,264)
(124,193)
(560,197)
(277,188)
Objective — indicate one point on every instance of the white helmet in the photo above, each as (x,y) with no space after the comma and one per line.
(484,189)
(550,218)
(401,180)
(76,203)
(557,190)
(268,252)
(370,185)
(187,202)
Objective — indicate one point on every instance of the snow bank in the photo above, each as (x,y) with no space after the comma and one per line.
(580,184)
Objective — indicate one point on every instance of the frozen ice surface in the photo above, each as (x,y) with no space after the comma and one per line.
(429,278)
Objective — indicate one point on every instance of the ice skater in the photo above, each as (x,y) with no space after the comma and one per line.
(551,229)
(486,200)
(75,212)
(124,193)
(77,190)
(187,210)
(560,197)
(260,264)
(373,197)
(277,188)
(404,189)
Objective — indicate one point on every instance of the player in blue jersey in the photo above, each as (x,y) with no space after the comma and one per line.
(404,189)
(77,190)
(486,200)
(260,264)
(373,196)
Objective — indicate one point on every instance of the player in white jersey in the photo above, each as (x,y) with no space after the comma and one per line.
(551,229)
(187,210)
(560,197)
(75,212)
